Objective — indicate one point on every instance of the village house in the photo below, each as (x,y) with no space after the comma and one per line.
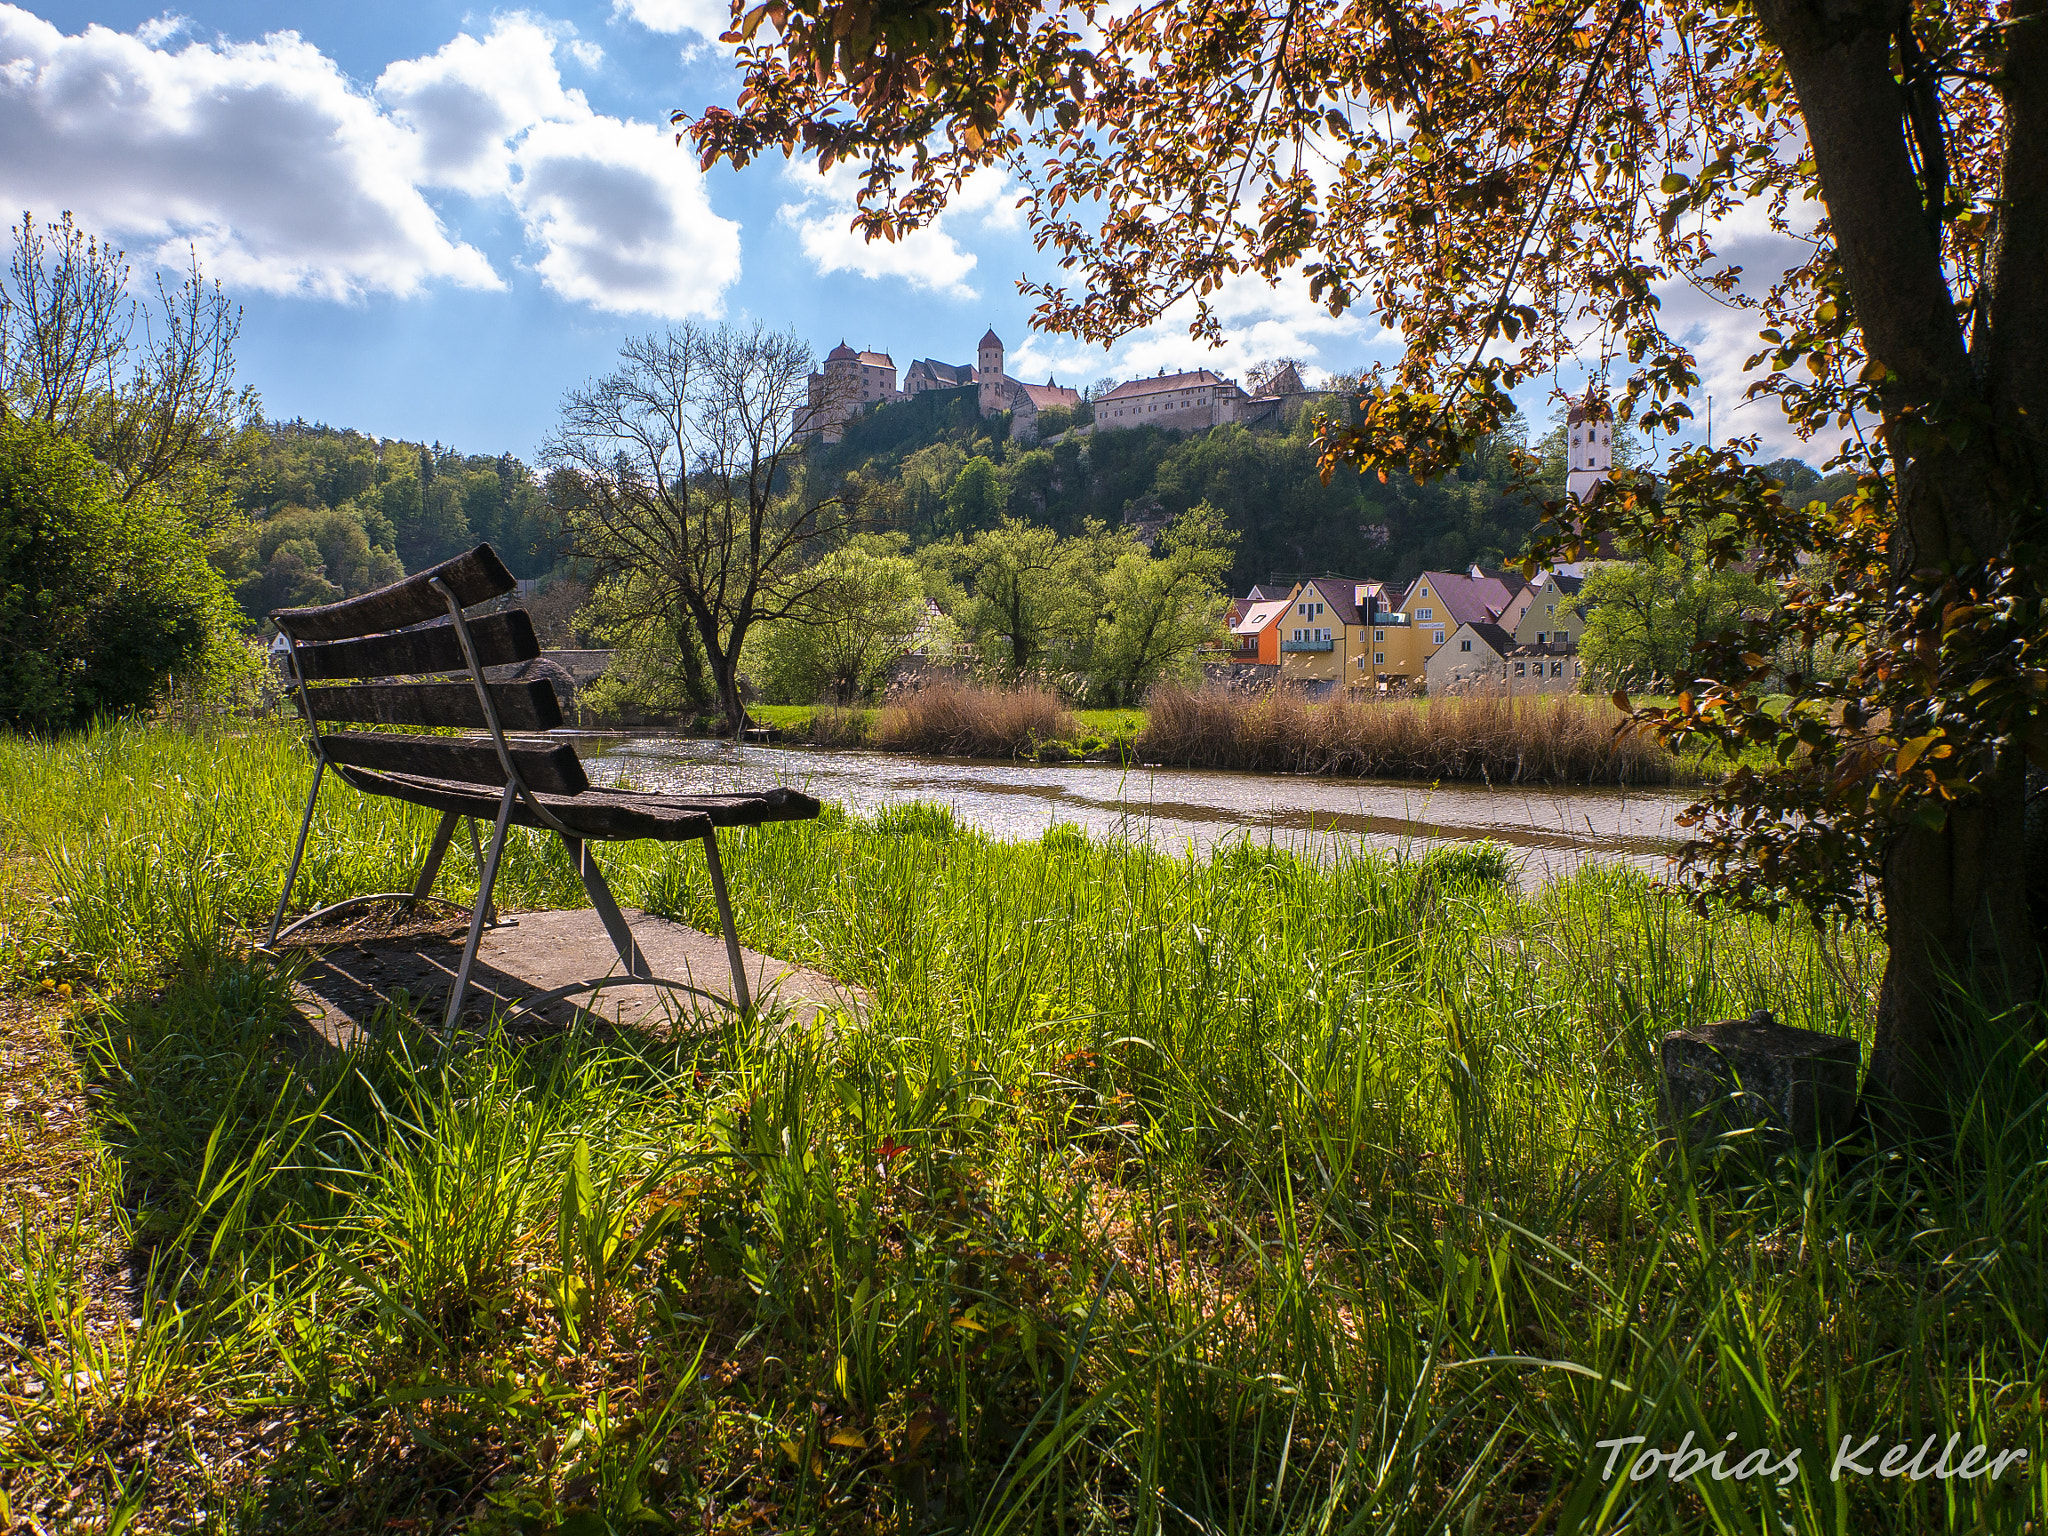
(1484,658)
(1438,602)
(1550,614)
(1255,631)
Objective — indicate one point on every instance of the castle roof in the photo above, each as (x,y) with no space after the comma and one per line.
(991,339)
(842,354)
(1047,396)
(1195,378)
(1592,408)
(878,359)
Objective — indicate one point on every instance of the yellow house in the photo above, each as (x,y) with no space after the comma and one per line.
(1397,652)
(1340,630)
(1552,616)
(1439,601)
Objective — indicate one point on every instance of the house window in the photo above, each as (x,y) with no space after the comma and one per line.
(1464,645)
(1379,658)
(1439,637)
(1557,669)
(1424,615)
(1541,638)
(1379,634)
(1552,608)
(1521,669)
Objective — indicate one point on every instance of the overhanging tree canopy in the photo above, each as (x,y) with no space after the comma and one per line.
(1510,186)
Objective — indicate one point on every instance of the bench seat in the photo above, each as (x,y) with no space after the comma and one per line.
(349,664)
(607,814)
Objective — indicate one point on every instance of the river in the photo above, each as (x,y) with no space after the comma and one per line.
(1553,831)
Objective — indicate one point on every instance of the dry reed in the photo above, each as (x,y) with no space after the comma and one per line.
(1556,740)
(952,719)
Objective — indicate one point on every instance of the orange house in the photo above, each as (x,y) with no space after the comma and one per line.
(1256,636)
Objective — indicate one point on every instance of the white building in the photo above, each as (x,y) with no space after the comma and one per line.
(1589,446)
(1183,400)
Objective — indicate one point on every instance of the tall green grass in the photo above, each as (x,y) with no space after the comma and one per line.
(1238,1194)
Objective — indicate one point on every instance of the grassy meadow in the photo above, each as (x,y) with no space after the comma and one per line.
(1150,1194)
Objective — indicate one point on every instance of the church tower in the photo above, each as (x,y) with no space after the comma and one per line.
(988,373)
(1589,445)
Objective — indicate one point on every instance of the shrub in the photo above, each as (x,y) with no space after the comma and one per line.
(101,600)
(949,719)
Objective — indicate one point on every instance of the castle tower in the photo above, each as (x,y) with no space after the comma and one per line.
(988,373)
(1589,445)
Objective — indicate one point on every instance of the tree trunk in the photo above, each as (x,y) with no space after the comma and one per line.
(1955,899)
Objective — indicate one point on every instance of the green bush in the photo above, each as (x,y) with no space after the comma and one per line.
(101,601)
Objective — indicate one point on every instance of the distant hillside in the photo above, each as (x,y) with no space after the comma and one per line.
(915,463)
(331,512)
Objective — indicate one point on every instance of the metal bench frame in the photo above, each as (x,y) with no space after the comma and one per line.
(637,971)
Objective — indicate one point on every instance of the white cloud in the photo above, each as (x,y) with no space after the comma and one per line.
(929,259)
(259,154)
(289,178)
(589,55)
(707,18)
(161,29)
(624,219)
(466,103)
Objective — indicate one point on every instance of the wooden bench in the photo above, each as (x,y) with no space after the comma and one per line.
(504,769)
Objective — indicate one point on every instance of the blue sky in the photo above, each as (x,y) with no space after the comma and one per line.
(437,218)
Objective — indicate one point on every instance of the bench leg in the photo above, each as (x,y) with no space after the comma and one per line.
(608,911)
(423,887)
(298,852)
(476,855)
(732,939)
(476,918)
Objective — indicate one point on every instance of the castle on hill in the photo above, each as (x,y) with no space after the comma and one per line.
(853,381)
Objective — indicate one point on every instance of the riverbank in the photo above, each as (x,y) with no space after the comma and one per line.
(1152,1193)
(1568,739)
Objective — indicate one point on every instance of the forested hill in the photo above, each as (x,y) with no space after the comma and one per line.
(932,468)
(329,512)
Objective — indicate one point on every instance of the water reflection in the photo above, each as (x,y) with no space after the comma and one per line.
(1554,830)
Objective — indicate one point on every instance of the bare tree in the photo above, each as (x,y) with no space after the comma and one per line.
(690,497)
(1272,371)
(151,407)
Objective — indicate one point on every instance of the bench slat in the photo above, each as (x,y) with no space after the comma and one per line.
(521,706)
(600,813)
(550,767)
(475,577)
(500,639)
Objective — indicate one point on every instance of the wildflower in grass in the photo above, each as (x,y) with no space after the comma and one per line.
(889,1151)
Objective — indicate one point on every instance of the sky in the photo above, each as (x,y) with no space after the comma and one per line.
(437,218)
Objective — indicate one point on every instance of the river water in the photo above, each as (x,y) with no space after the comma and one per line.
(1552,831)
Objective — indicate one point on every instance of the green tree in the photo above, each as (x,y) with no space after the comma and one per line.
(657,668)
(103,597)
(1646,619)
(975,500)
(1032,597)
(868,611)
(1158,607)
(690,499)
(1424,160)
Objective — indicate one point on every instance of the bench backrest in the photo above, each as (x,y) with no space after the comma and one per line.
(418,628)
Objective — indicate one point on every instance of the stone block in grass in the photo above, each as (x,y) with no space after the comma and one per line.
(1759,1080)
